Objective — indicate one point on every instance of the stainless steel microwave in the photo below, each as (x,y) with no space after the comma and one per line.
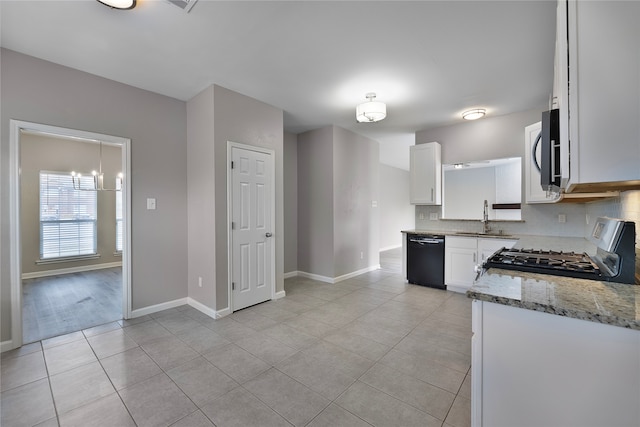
(550,154)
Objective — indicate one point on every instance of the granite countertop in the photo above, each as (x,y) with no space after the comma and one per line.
(614,304)
(610,303)
(461,234)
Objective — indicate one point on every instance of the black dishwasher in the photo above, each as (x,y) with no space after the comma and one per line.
(425,260)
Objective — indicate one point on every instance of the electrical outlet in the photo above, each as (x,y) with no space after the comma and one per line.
(562,218)
(433,216)
(421,215)
(361,255)
(199,282)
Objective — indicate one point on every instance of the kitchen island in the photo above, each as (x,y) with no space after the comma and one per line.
(554,351)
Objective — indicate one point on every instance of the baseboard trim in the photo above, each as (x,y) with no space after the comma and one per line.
(388,248)
(79,269)
(158,307)
(356,273)
(222,313)
(291,274)
(279,295)
(339,278)
(201,307)
(6,346)
(315,277)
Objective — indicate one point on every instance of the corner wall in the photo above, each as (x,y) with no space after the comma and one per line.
(315,202)
(200,198)
(290,178)
(396,213)
(356,212)
(338,181)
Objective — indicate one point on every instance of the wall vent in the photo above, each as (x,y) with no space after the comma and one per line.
(185,5)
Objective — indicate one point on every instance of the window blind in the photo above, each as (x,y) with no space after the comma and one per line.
(68,217)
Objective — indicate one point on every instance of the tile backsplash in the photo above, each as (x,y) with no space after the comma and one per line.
(627,207)
(543,219)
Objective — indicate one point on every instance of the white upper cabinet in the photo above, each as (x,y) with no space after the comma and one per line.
(425,174)
(603,91)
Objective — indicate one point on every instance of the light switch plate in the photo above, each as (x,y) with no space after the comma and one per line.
(151,204)
(433,216)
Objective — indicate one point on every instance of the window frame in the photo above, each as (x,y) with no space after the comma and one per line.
(77,215)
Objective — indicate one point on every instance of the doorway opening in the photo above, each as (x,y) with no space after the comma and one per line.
(70,244)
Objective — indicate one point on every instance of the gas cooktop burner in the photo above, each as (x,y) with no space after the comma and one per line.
(549,262)
(614,260)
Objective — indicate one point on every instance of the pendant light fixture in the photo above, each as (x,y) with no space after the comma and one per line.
(119,4)
(98,179)
(475,114)
(371,111)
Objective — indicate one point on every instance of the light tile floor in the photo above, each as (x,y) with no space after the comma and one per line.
(370,350)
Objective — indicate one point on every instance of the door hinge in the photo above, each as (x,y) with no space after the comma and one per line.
(232,165)
(233,286)
(233,225)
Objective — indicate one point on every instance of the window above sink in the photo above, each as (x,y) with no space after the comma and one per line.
(467,185)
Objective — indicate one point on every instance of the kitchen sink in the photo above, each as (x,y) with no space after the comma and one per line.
(477,234)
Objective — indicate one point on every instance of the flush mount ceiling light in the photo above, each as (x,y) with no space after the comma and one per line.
(474,114)
(371,111)
(119,4)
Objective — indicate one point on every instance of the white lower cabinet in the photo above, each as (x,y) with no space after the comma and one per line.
(463,254)
(538,369)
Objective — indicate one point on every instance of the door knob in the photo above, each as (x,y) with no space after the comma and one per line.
(268,234)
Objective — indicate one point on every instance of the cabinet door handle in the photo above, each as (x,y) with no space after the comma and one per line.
(474,257)
(432,194)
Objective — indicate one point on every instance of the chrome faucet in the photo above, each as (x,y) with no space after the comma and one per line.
(485,218)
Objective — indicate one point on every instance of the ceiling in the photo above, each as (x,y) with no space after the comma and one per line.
(427,60)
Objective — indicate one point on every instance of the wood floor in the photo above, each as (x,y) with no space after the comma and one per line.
(57,305)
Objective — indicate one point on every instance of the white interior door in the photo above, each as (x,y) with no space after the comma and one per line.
(252,227)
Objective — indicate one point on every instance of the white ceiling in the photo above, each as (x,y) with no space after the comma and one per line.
(428,60)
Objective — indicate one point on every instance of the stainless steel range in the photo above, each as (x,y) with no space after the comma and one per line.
(614,260)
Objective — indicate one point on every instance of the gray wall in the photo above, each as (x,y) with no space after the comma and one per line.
(487,138)
(315,202)
(242,119)
(493,138)
(201,198)
(45,153)
(39,91)
(627,206)
(356,223)
(396,213)
(290,174)
(338,179)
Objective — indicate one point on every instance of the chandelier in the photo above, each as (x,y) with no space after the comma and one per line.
(98,179)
